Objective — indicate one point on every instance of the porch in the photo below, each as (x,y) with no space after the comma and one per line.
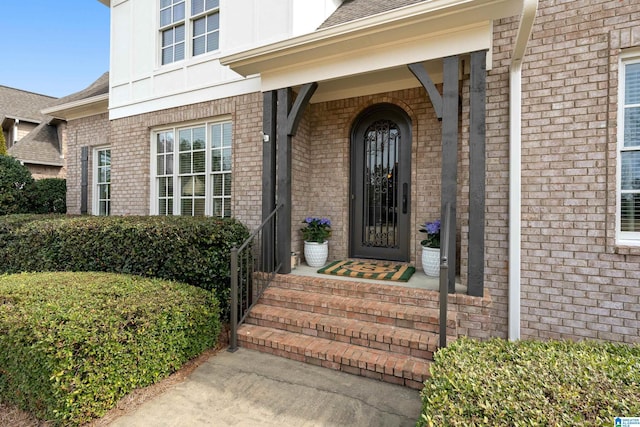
(377,330)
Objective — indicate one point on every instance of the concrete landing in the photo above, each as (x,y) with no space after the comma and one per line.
(249,388)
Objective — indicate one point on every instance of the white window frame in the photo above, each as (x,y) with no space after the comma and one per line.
(173,25)
(625,238)
(175,165)
(188,22)
(95,189)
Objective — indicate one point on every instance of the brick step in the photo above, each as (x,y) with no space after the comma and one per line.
(378,364)
(367,334)
(404,316)
(364,290)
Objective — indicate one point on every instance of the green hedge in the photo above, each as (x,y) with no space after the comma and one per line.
(49,195)
(73,344)
(532,383)
(185,249)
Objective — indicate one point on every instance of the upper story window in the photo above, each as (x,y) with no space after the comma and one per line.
(201,32)
(629,151)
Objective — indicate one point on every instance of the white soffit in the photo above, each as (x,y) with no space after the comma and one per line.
(386,42)
(81,108)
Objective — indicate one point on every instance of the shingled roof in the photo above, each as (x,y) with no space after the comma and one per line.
(99,87)
(20,104)
(40,146)
(350,10)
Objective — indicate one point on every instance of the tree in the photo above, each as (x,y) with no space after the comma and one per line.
(3,144)
(15,185)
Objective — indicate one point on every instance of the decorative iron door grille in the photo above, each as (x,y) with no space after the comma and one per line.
(380,185)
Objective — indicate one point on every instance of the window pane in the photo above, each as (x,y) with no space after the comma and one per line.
(227,184)
(162,187)
(160,165)
(104,191)
(162,207)
(630,212)
(199,135)
(198,207)
(167,38)
(212,41)
(217,207)
(169,164)
(630,172)
(179,33)
(167,55)
(197,6)
(227,207)
(185,163)
(179,52)
(178,12)
(217,137)
(199,27)
(632,127)
(198,162)
(161,144)
(216,161)
(213,22)
(103,210)
(226,159)
(632,84)
(165,3)
(165,17)
(226,134)
(186,207)
(199,186)
(185,140)
(198,46)
(212,4)
(217,185)
(169,137)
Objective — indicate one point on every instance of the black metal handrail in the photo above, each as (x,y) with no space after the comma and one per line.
(444,274)
(253,267)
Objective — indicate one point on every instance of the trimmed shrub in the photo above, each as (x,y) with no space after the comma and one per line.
(3,144)
(49,195)
(15,184)
(73,344)
(531,383)
(185,249)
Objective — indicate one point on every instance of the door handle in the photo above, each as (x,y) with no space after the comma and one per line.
(405,188)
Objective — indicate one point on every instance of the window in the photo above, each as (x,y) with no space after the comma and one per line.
(172,17)
(204,27)
(102,179)
(629,150)
(193,176)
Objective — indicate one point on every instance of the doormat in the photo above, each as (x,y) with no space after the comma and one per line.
(369,270)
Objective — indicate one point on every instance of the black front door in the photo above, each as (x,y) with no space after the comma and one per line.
(381,184)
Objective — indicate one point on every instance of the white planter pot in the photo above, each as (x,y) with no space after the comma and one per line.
(316,253)
(431,261)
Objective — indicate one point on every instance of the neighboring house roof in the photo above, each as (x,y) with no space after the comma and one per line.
(23,105)
(350,10)
(90,101)
(99,87)
(40,146)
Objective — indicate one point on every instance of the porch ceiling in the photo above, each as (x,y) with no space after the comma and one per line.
(369,55)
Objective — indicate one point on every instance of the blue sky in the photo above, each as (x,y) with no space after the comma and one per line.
(53,47)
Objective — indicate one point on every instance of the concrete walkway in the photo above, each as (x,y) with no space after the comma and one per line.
(249,388)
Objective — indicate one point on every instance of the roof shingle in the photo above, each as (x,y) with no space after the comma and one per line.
(350,10)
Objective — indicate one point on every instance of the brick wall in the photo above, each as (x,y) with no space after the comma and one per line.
(131,151)
(91,132)
(576,282)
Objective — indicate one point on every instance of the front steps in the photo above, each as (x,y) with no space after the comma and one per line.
(386,332)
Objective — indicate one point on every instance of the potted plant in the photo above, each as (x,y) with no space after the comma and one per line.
(315,234)
(431,248)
